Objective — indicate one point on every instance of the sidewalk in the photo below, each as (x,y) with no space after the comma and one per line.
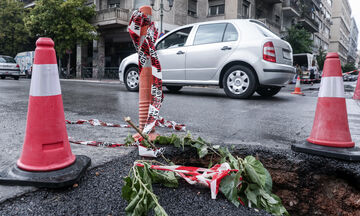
(92,80)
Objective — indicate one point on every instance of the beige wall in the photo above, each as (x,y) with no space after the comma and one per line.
(340,30)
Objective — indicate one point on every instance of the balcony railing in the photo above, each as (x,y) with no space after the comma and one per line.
(308,23)
(291,8)
(272,1)
(112,16)
(272,25)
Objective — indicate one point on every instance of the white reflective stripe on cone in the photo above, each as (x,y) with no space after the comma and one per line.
(332,87)
(45,80)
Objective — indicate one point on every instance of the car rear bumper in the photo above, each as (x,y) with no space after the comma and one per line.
(9,73)
(276,74)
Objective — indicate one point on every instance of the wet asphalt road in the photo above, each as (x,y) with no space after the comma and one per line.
(271,123)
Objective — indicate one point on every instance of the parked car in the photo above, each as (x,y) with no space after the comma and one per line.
(8,67)
(241,56)
(353,77)
(25,60)
(305,61)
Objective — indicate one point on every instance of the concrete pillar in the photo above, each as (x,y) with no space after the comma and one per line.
(98,57)
(231,7)
(104,4)
(97,5)
(81,56)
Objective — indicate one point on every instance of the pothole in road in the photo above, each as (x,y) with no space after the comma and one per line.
(302,192)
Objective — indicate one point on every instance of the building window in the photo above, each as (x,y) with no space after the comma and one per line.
(329,2)
(277,19)
(113,3)
(192,7)
(216,7)
(245,9)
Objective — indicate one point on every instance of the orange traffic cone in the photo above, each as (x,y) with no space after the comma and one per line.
(46,159)
(297,87)
(357,90)
(330,135)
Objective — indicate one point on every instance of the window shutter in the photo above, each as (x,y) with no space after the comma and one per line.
(216,2)
(110,2)
(192,5)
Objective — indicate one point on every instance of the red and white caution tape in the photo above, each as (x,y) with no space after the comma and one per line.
(145,47)
(149,152)
(195,175)
(161,123)
(97,143)
(97,122)
(350,72)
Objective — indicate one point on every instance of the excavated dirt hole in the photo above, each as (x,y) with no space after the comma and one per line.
(309,193)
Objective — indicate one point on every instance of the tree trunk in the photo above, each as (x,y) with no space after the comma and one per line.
(68,67)
(59,66)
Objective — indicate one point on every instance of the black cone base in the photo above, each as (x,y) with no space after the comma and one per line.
(49,179)
(349,154)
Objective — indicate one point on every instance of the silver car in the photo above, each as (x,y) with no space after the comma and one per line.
(241,56)
(8,67)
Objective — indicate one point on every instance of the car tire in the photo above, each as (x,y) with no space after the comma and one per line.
(268,91)
(2,77)
(132,79)
(239,82)
(16,77)
(174,89)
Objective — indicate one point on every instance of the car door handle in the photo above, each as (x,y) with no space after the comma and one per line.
(180,52)
(226,48)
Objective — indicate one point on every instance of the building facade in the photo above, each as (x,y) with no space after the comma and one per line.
(328,21)
(323,17)
(353,39)
(340,29)
(112,18)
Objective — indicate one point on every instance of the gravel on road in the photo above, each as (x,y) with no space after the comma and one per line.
(99,193)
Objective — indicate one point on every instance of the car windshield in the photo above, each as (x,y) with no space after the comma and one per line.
(6,59)
(266,32)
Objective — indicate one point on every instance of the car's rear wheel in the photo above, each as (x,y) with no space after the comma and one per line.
(174,89)
(16,77)
(2,77)
(239,82)
(268,91)
(132,79)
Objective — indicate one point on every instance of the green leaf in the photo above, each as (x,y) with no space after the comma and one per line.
(252,193)
(227,156)
(127,189)
(168,179)
(202,149)
(188,139)
(175,141)
(268,182)
(129,140)
(162,140)
(228,186)
(159,211)
(268,198)
(255,170)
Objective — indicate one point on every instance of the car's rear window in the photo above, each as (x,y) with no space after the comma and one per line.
(5,59)
(264,31)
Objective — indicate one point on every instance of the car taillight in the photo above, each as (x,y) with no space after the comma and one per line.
(17,66)
(269,52)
